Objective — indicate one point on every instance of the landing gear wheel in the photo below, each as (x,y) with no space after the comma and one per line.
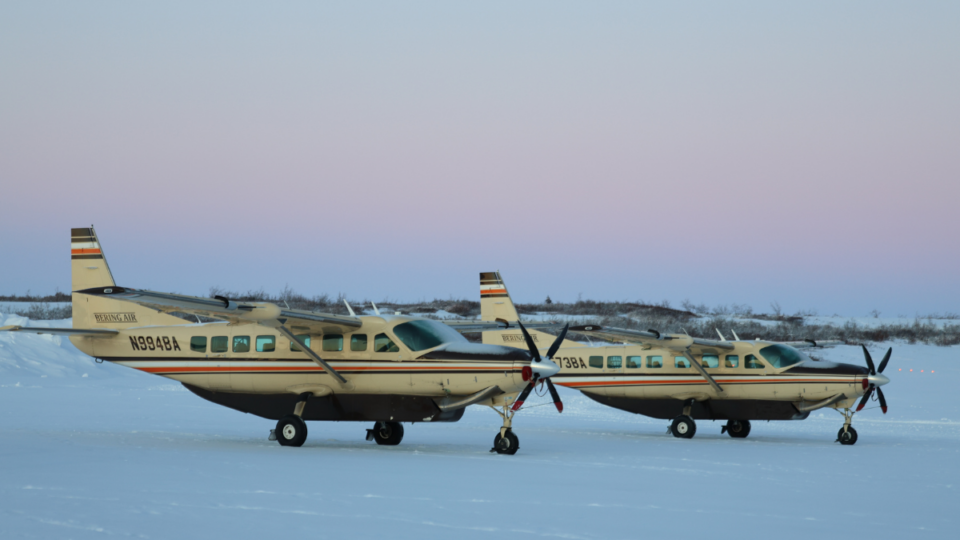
(683,427)
(387,433)
(738,429)
(506,445)
(291,431)
(847,437)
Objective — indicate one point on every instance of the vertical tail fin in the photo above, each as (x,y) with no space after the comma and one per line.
(495,303)
(89,269)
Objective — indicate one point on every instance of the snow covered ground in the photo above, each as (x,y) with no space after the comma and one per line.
(94,450)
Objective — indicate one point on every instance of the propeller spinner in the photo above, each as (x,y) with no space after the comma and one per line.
(540,369)
(875,380)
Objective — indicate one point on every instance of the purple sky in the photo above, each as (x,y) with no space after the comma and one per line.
(725,153)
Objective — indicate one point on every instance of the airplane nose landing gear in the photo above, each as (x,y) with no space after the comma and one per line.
(847,435)
(507,444)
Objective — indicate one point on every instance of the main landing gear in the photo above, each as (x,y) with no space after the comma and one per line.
(291,429)
(738,429)
(506,442)
(683,426)
(847,435)
(386,433)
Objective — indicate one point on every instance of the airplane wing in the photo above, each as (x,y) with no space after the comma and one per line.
(89,332)
(264,313)
(675,342)
(466,327)
(809,343)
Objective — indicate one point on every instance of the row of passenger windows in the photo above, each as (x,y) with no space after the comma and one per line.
(329,343)
(654,361)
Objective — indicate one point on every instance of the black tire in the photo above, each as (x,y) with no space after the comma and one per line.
(683,427)
(738,429)
(291,431)
(388,433)
(850,437)
(506,445)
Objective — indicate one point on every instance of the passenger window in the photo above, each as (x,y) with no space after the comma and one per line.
(266,343)
(681,362)
(596,362)
(381,343)
(732,360)
(750,362)
(614,362)
(218,344)
(634,362)
(711,360)
(358,342)
(198,344)
(294,346)
(654,361)
(332,342)
(241,343)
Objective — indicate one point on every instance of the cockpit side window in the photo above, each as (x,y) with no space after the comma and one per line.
(420,335)
(750,362)
(381,343)
(731,361)
(781,356)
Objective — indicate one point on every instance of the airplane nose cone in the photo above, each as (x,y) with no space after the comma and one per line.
(545,368)
(878,379)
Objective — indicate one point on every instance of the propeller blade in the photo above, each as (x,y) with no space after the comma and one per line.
(886,358)
(866,397)
(866,354)
(556,343)
(883,402)
(530,345)
(554,395)
(523,396)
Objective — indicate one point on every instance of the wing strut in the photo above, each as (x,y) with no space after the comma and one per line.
(314,356)
(702,371)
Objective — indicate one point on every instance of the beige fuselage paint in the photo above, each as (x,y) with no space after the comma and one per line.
(166,351)
(669,381)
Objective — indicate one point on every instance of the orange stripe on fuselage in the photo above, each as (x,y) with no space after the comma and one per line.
(216,369)
(687,381)
(85,251)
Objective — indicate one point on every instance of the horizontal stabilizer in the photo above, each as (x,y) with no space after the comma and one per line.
(60,331)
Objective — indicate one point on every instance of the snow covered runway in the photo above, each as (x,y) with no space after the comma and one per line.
(119,453)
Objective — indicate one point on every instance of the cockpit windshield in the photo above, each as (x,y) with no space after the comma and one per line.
(420,335)
(781,356)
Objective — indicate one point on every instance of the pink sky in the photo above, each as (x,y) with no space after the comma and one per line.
(736,153)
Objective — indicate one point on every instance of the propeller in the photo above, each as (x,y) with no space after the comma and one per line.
(875,381)
(540,369)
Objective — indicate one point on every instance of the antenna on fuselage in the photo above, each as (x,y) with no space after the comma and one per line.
(375,310)
(735,336)
(350,309)
(719,334)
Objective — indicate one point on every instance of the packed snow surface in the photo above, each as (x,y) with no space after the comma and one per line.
(96,450)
